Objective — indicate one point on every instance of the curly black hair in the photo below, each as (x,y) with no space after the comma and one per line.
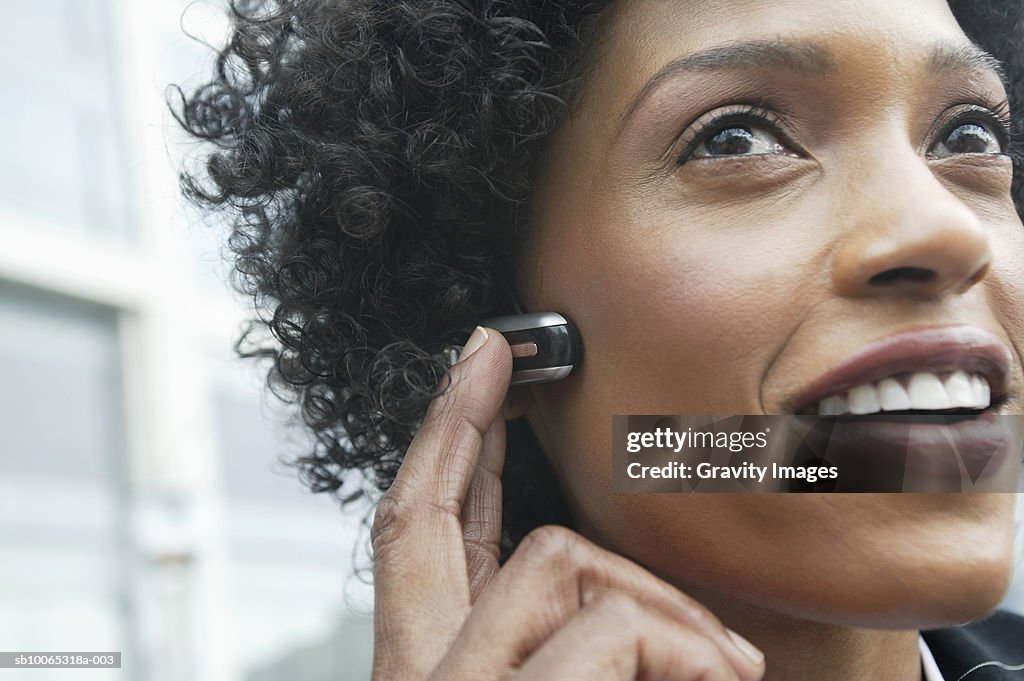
(376,160)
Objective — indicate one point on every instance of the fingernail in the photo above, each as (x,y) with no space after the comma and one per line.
(478,338)
(746,647)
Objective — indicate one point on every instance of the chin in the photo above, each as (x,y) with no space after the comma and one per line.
(967,587)
(909,562)
(964,583)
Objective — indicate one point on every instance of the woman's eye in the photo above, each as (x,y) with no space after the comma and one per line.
(968,138)
(738,139)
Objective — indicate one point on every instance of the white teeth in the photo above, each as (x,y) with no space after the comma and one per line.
(958,387)
(982,391)
(832,406)
(927,392)
(863,399)
(893,396)
(922,390)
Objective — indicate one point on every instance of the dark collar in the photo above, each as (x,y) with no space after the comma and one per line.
(999,637)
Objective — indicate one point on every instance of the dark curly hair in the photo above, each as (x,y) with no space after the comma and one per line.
(376,160)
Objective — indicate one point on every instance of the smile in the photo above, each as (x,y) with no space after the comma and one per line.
(921,391)
(935,370)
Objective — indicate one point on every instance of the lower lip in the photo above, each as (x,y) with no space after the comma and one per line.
(927,453)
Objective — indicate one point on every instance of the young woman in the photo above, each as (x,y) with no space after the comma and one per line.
(733,200)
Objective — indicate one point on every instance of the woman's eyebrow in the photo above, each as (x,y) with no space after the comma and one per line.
(951,56)
(799,57)
(804,58)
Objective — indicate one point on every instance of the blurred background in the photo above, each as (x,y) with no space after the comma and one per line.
(143,505)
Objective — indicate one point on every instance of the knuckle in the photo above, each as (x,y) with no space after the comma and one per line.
(391,521)
(620,607)
(452,432)
(445,510)
(459,449)
(552,545)
(706,662)
(458,432)
(438,416)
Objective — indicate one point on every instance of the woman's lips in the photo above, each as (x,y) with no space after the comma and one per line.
(936,367)
(894,431)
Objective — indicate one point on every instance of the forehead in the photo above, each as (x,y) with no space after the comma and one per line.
(863,38)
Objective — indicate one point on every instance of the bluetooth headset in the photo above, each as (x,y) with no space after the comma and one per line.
(546,346)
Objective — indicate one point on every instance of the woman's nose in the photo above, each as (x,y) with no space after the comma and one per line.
(917,239)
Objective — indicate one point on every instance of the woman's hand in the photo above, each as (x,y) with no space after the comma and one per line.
(560,608)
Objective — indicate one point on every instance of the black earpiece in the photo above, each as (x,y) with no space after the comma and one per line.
(546,346)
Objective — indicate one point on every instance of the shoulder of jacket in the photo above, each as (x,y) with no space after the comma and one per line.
(990,649)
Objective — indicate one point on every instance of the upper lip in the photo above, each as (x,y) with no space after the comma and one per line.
(935,349)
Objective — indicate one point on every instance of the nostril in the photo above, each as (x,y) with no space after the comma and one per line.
(977,276)
(917,275)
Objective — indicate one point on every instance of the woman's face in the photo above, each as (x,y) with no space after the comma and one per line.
(725,274)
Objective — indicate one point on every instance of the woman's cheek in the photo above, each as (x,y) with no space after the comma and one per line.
(681,320)
(687,321)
